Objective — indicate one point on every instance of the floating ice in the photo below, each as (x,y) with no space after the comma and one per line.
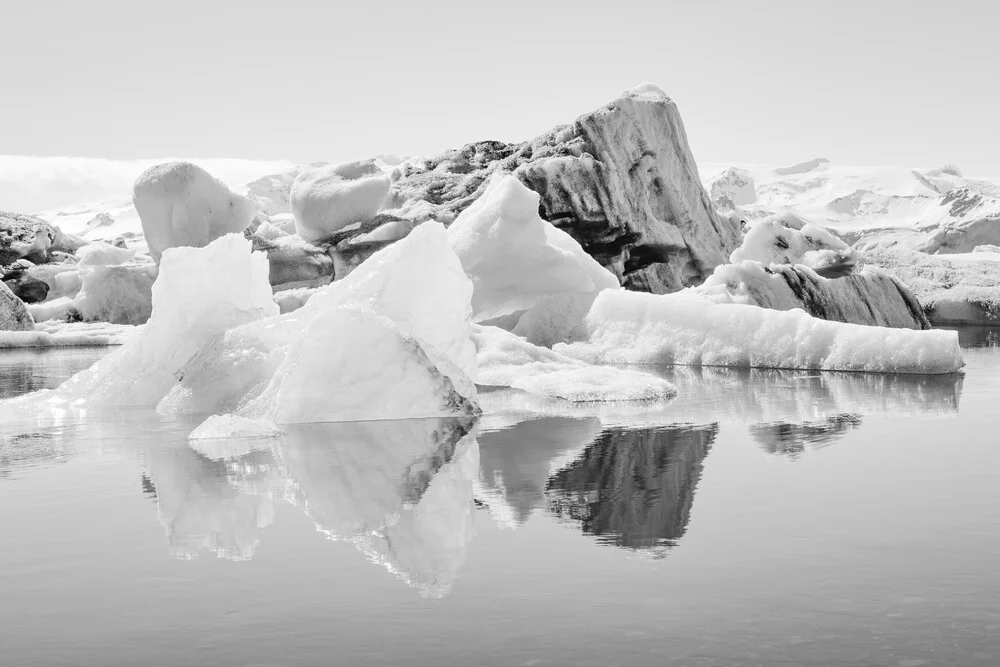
(409,302)
(191,305)
(328,198)
(181,204)
(234,426)
(519,262)
(509,361)
(630,327)
(353,365)
(103,254)
(787,239)
(118,294)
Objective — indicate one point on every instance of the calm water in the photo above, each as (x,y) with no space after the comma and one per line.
(761,518)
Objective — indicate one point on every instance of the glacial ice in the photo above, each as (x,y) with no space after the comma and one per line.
(509,361)
(190,307)
(181,204)
(118,294)
(353,365)
(631,327)
(409,302)
(519,262)
(787,239)
(328,198)
(234,426)
(103,254)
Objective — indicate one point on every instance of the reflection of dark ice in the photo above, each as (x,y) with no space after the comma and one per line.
(632,488)
(401,491)
(793,439)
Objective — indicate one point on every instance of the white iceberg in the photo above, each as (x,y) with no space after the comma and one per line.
(181,204)
(409,303)
(519,262)
(328,198)
(352,365)
(630,328)
(788,239)
(509,361)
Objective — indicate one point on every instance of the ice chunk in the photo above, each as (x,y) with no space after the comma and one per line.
(181,204)
(417,285)
(14,314)
(630,327)
(869,296)
(519,262)
(509,361)
(234,426)
(353,365)
(119,294)
(787,239)
(103,254)
(328,198)
(200,293)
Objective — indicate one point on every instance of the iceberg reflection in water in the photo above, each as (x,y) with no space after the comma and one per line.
(404,493)
(401,491)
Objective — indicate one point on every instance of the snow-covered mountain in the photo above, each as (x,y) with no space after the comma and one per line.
(934,211)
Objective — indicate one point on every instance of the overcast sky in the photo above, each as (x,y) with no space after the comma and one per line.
(774,82)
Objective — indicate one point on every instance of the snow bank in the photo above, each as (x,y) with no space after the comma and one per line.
(326,199)
(787,239)
(181,204)
(519,262)
(629,327)
(509,361)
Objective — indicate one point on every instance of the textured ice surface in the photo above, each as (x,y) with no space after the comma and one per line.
(509,361)
(103,254)
(234,426)
(954,289)
(400,320)
(519,262)
(352,365)
(200,293)
(181,204)
(67,334)
(629,327)
(787,239)
(118,294)
(328,198)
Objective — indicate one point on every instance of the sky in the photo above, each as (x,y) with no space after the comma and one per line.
(881,82)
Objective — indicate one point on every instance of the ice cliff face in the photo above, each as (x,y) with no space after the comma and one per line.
(620,180)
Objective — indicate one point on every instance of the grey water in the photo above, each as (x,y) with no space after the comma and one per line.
(760,518)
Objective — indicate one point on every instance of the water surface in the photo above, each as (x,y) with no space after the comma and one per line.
(761,518)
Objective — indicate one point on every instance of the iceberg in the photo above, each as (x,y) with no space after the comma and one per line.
(181,204)
(788,239)
(328,198)
(633,328)
(190,307)
(353,365)
(522,265)
(408,303)
(509,361)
